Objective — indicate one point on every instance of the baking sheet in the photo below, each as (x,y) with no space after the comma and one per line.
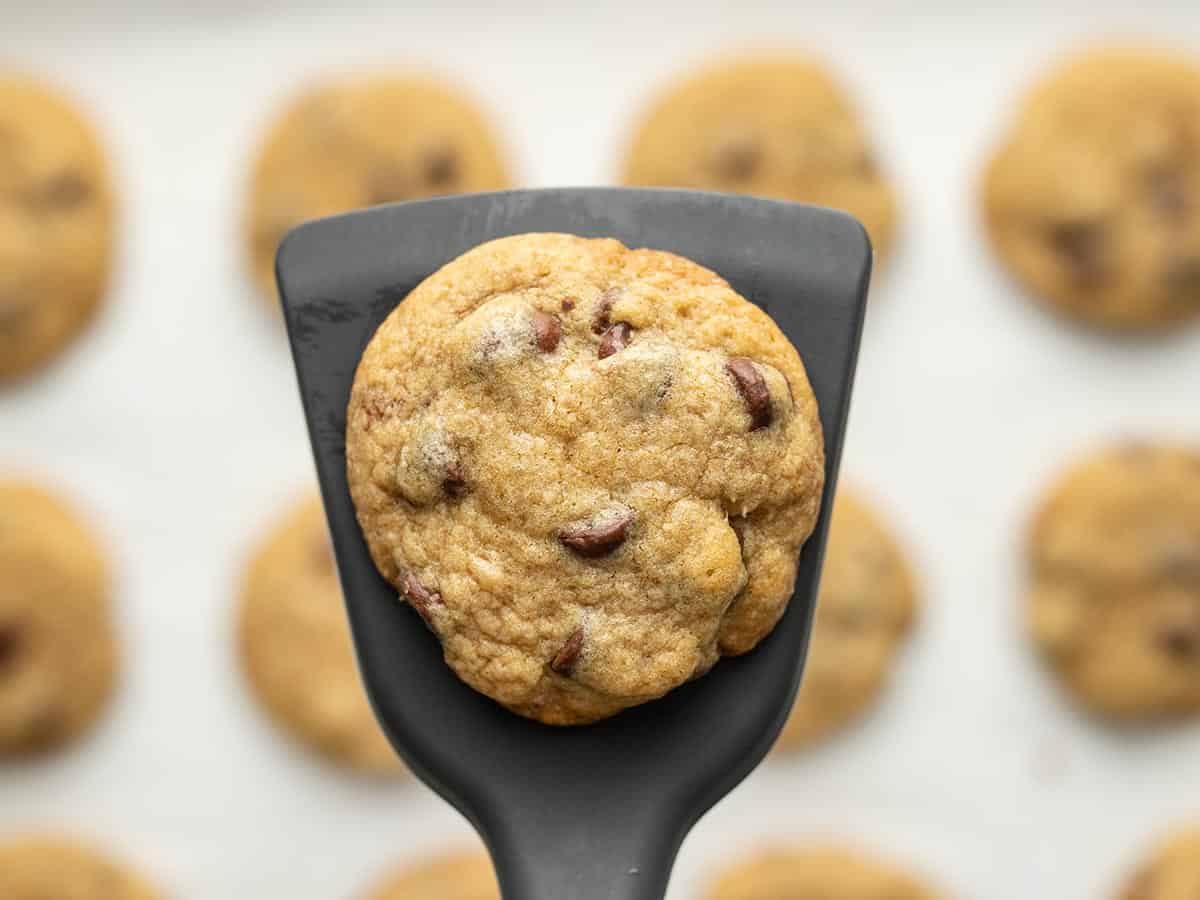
(176,424)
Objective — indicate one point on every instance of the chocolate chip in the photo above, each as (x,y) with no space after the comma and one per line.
(1167,192)
(753,388)
(455,482)
(439,166)
(547,331)
(421,598)
(565,659)
(592,539)
(615,339)
(60,193)
(737,156)
(1180,562)
(386,183)
(1183,277)
(14,312)
(600,320)
(1178,633)
(11,640)
(1083,248)
(568,304)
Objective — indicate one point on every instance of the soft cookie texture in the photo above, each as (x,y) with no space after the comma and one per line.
(56,224)
(1093,198)
(457,876)
(590,469)
(41,868)
(1114,604)
(1171,873)
(296,648)
(771,126)
(363,140)
(864,612)
(58,651)
(817,872)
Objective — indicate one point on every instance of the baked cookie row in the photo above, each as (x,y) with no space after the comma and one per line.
(1092,198)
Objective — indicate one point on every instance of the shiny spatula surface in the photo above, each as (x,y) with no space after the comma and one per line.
(598,812)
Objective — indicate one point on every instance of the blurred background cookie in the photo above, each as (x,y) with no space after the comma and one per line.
(1093,199)
(296,649)
(360,141)
(1171,873)
(457,876)
(865,610)
(58,650)
(1114,600)
(44,868)
(770,126)
(812,872)
(56,223)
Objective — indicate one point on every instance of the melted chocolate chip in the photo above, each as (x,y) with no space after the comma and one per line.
(1178,633)
(547,331)
(1183,278)
(737,156)
(753,388)
(599,538)
(455,482)
(61,193)
(568,304)
(615,339)
(421,598)
(14,312)
(1082,247)
(439,167)
(565,659)
(600,320)
(11,642)
(1167,193)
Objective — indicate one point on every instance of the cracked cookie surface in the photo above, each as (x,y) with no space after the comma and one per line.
(811,872)
(1114,605)
(584,521)
(865,610)
(58,650)
(360,141)
(296,648)
(37,868)
(457,876)
(767,126)
(1171,873)
(1093,199)
(56,224)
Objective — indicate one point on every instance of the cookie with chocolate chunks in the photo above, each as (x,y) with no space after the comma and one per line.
(58,648)
(769,125)
(296,649)
(56,224)
(636,460)
(1114,600)
(1093,197)
(361,140)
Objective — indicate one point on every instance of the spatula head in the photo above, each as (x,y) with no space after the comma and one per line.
(618,795)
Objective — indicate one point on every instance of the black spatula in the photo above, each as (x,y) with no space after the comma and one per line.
(593,813)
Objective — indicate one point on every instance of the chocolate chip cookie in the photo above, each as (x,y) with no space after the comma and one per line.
(56,224)
(865,610)
(458,876)
(810,872)
(1093,199)
(1114,604)
(768,126)
(296,648)
(1172,873)
(58,650)
(589,469)
(359,141)
(39,868)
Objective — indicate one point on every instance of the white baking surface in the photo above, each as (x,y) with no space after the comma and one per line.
(176,424)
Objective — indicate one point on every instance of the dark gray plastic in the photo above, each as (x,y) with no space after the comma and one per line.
(593,813)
